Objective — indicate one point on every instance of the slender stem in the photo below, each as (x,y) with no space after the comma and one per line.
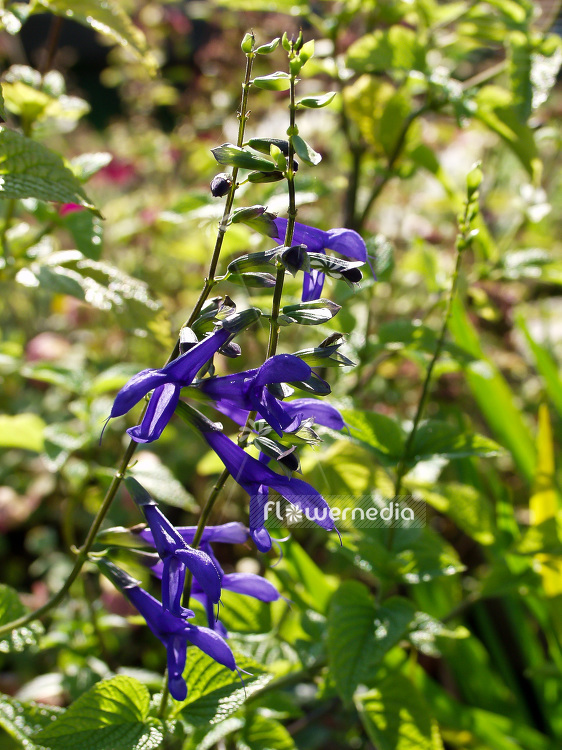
(51,46)
(402,466)
(273,332)
(165,696)
(381,181)
(8,216)
(83,552)
(131,448)
(242,119)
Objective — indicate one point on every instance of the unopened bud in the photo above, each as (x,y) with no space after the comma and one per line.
(221,184)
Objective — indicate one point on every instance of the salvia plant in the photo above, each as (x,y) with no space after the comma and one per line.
(358,574)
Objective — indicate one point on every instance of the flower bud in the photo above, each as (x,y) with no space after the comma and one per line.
(248,42)
(221,184)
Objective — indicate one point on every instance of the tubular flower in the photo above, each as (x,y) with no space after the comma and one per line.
(176,555)
(173,631)
(296,412)
(248,390)
(257,480)
(346,242)
(248,584)
(167,383)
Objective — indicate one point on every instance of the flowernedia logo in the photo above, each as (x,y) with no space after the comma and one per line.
(367,511)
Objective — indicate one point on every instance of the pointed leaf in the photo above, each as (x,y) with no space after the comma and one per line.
(22,720)
(305,152)
(278,81)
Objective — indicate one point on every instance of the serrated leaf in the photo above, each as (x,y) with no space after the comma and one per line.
(214,692)
(22,720)
(315,102)
(396,717)
(30,170)
(264,733)
(112,714)
(360,634)
(107,18)
(379,433)
(22,431)
(305,152)
(436,438)
(278,81)
(11,608)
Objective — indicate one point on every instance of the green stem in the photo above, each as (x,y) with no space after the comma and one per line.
(402,466)
(131,448)
(381,181)
(8,216)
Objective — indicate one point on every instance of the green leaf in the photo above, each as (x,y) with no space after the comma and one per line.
(426,633)
(86,230)
(263,733)
(493,395)
(393,121)
(379,433)
(22,431)
(113,378)
(22,720)
(315,102)
(359,634)
(86,165)
(2,108)
(112,714)
(265,49)
(519,56)
(468,508)
(305,152)
(214,692)
(396,717)
(278,81)
(11,608)
(388,50)
(546,365)
(30,170)
(495,108)
(436,438)
(317,585)
(233,156)
(107,17)
(242,614)
(203,739)
(162,485)
(311,313)
(412,334)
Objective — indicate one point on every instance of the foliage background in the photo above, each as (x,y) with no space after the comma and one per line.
(444,636)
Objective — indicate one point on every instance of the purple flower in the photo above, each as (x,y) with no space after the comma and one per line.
(257,479)
(173,631)
(296,411)
(167,383)
(248,390)
(248,584)
(346,242)
(176,555)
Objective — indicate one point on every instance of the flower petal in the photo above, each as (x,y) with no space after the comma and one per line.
(203,569)
(173,580)
(314,239)
(230,387)
(212,644)
(282,368)
(304,497)
(183,369)
(260,535)
(176,651)
(322,412)
(230,533)
(159,412)
(135,389)
(312,286)
(252,585)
